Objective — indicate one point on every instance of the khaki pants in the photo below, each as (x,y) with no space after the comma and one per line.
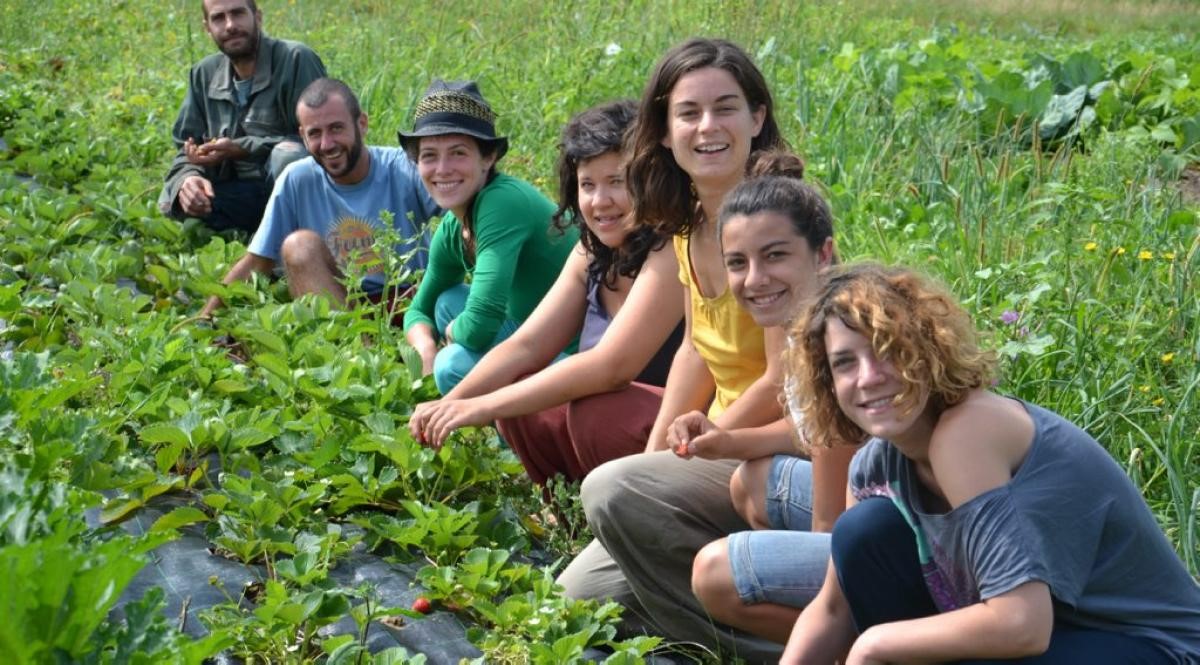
(651,513)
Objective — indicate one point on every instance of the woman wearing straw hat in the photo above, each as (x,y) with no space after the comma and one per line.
(496,229)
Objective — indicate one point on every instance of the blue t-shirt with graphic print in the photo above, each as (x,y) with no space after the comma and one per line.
(1069,517)
(347,216)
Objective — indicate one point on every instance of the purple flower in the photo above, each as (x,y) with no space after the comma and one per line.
(1010,317)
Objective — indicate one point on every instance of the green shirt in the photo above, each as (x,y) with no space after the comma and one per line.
(518,257)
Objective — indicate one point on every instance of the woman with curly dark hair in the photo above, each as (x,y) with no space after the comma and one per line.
(982,528)
(618,291)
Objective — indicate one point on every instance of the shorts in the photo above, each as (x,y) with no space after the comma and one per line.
(785,565)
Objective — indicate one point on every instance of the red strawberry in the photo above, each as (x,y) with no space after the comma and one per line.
(422,605)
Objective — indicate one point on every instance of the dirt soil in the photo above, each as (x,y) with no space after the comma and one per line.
(1189,185)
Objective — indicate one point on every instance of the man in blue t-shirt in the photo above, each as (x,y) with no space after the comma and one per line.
(325,209)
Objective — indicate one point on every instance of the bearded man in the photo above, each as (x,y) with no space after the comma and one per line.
(237,128)
(327,210)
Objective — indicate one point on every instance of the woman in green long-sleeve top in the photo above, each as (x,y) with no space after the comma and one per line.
(496,229)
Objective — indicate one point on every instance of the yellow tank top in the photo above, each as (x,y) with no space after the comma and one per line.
(728,339)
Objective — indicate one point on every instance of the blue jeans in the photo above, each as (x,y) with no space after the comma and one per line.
(875,553)
(454,361)
(785,565)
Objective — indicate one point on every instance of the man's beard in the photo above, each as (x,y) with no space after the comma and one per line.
(352,156)
(248,51)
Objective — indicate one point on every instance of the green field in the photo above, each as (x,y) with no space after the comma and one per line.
(1040,157)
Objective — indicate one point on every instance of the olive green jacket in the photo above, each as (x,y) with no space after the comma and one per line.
(283,69)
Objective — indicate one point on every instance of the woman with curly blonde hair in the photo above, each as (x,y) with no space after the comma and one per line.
(980,526)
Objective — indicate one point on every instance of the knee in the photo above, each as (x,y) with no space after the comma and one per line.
(303,248)
(450,303)
(863,529)
(748,492)
(601,492)
(450,366)
(711,573)
(282,155)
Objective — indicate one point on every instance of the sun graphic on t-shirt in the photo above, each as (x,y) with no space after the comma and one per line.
(353,237)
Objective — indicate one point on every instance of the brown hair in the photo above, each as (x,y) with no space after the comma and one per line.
(909,319)
(593,133)
(661,192)
(251,4)
(775,184)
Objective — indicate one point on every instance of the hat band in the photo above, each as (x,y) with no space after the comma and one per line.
(469,124)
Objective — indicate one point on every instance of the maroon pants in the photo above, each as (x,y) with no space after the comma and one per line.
(573,438)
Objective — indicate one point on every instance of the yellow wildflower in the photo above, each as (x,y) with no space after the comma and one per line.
(1119,251)
(1145,255)
(1167,358)
(1168,256)
(1090,247)
(1158,401)
(1144,388)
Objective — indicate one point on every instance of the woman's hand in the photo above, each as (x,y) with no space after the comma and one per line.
(694,435)
(433,422)
(421,338)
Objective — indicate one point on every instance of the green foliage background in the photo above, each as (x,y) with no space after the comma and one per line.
(1031,161)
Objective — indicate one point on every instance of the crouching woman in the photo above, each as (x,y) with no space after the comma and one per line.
(983,527)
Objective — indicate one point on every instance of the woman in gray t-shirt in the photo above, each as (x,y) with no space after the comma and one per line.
(982,527)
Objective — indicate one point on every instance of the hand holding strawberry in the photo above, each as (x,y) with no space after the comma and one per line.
(694,435)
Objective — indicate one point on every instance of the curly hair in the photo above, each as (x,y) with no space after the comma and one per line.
(660,190)
(590,134)
(910,320)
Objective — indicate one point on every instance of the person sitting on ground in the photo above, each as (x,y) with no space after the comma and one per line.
(776,234)
(325,210)
(497,231)
(704,111)
(982,527)
(618,289)
(237,128)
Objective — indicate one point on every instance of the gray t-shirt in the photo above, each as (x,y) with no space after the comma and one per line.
(1069,517)
(241,92)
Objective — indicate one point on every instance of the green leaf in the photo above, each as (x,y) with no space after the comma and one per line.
(229,386)
(167,456)
(118,510)
(181,516)
(1081,69)
(248,437)
(1061,112)
(274,364)
(1163,134)
(164,433)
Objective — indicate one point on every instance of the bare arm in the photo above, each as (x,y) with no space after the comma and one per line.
(690,384)
(532,347)
(240,272)
(831,475)
(825,629)
(1014,624)
(637,331)
(539,339)
(694,435)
